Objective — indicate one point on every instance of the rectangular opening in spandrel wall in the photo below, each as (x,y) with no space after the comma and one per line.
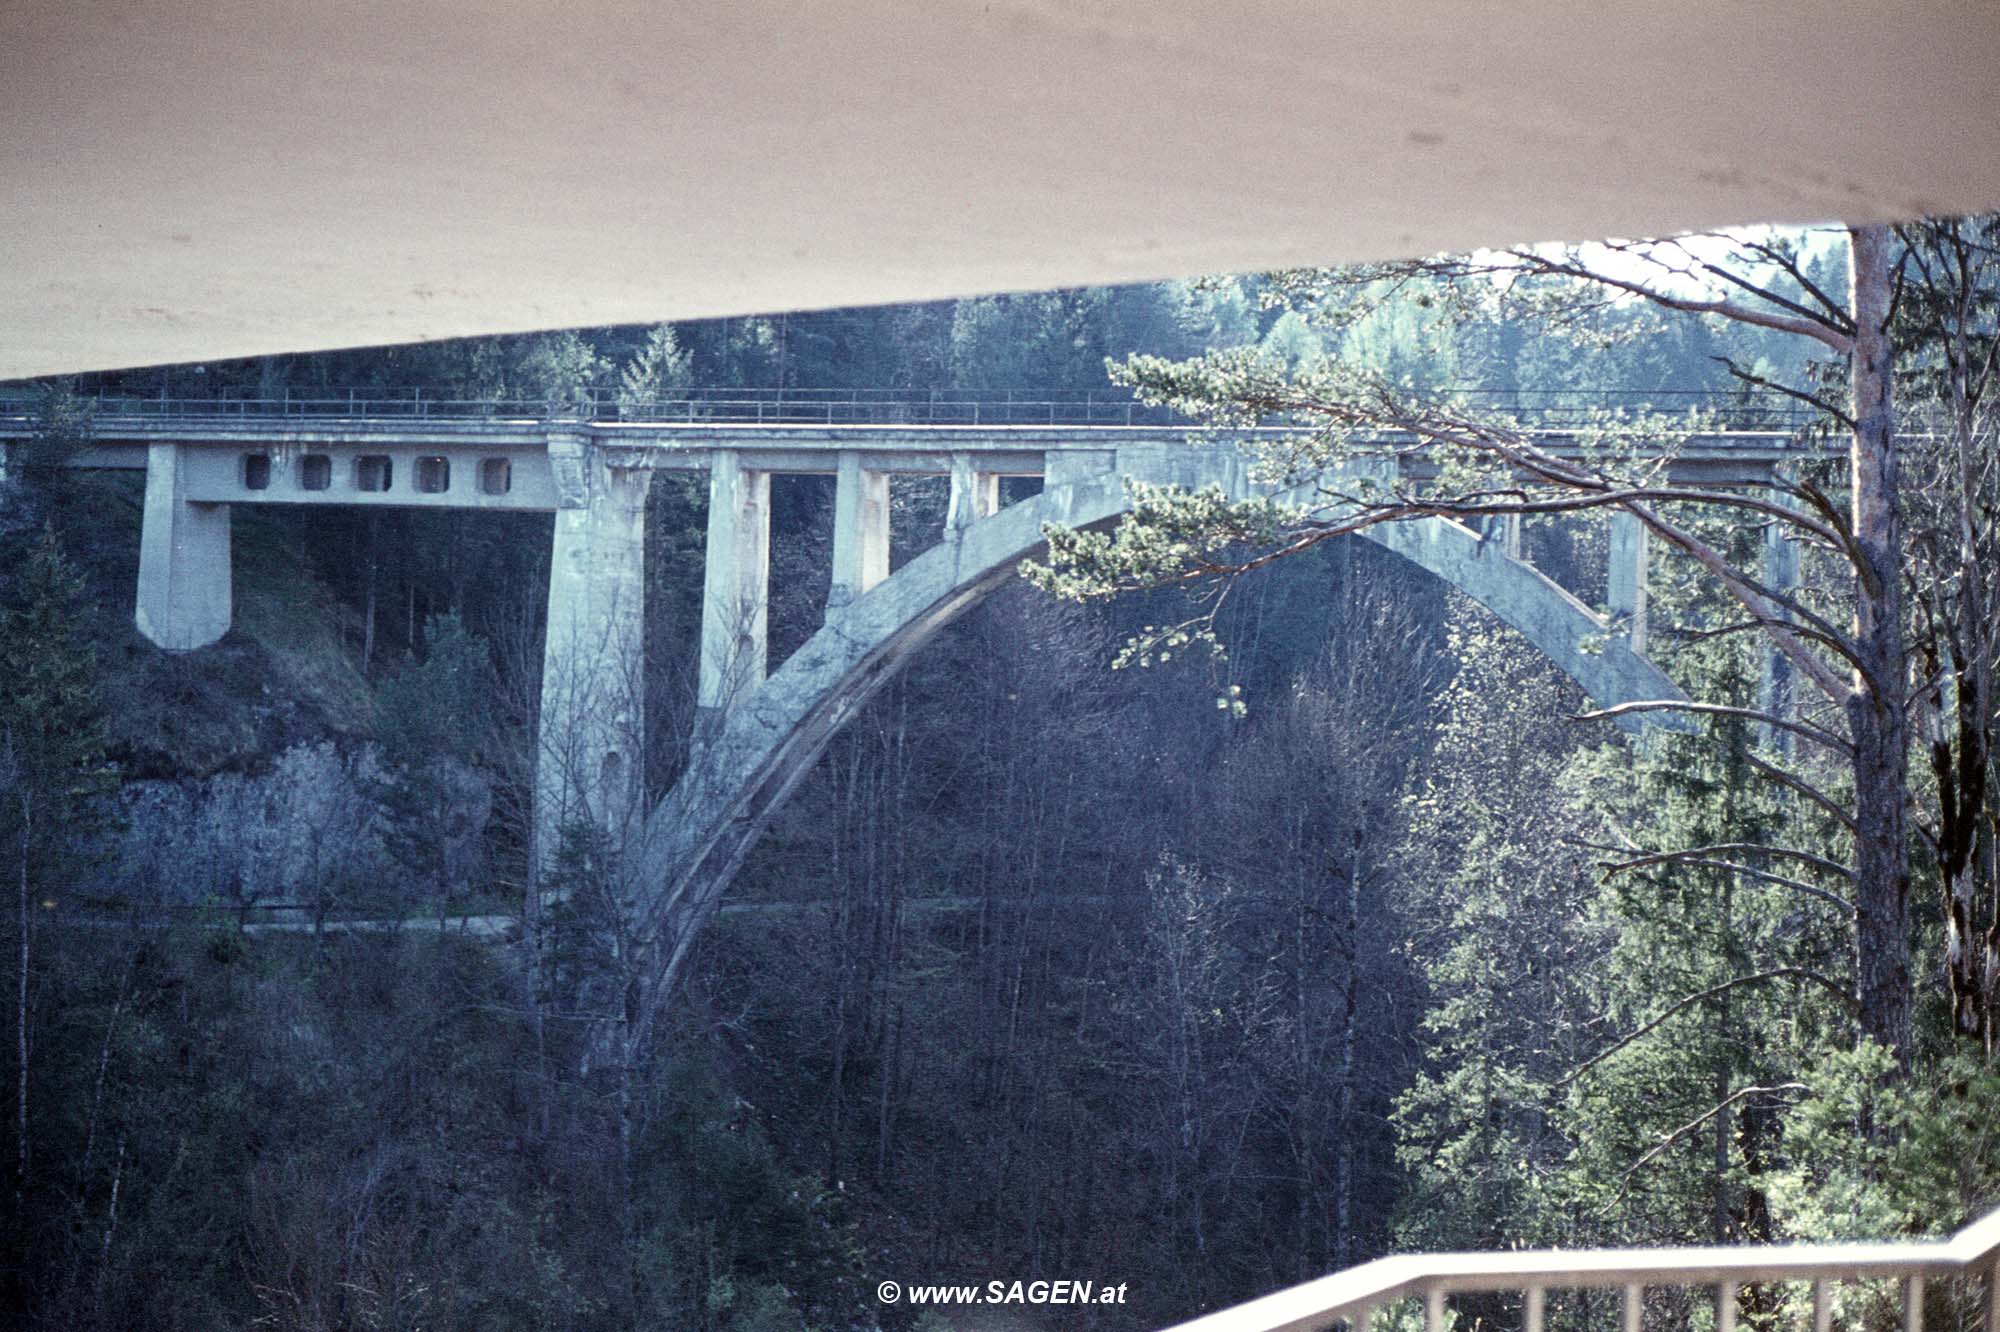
(373,472)
(496,476)
(315,472)
(256,471)
(433,475)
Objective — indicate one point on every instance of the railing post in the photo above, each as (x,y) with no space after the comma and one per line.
(1434,1309)
(1725,1306)
(1634,1307)
(1531,1313)
(1822,1305)
(1913,1303)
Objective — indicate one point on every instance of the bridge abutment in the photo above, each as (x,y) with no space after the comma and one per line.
(184,573)
(591,736)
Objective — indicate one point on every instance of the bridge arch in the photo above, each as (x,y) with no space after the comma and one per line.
(695,840)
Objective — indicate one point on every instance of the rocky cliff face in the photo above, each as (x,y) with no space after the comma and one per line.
(308,831)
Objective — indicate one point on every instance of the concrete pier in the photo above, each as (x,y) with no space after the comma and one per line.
(1781,574)
(735,601)
(860,530)
(1626,594)
(184,576)
(590,761)
(974,494)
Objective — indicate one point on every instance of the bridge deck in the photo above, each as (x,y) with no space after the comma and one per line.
(504,463)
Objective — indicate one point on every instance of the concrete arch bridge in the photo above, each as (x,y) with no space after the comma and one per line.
(762,730)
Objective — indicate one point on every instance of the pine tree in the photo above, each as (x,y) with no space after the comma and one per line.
(53,775)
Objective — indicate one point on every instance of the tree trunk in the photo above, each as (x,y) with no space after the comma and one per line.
(1350,1004)
(1876,712)
(21,1157)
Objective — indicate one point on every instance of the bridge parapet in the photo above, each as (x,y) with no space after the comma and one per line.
(1359,1297)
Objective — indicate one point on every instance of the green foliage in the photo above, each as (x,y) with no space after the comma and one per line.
(53,769)
(435,706)
(1930,1164)
(1497,896)
(559,369)
(434,721)
(60,431)
(656,370)
(1167,538)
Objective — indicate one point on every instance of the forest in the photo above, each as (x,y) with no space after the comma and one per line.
(1316,926)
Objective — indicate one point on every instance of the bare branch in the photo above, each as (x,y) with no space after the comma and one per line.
(1731,849)
(1804,788)
(1681,1005)
(1669,1139)
(1813,327)
(1812,400)
(1812,733)
(1732,867)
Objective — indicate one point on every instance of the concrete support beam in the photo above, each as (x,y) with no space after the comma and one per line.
(1626,596)
(184,579)
(735,601)
(860,530)
(974,494)
(1070,467)
(592,734)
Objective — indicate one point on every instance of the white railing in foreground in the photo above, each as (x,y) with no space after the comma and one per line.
(1353,1296)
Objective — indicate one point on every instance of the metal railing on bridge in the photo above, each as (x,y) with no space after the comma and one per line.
(1367,1294)
(1761,411)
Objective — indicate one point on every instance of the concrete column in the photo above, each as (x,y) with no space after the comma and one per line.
(1626,596)
(734,601)
(974,495)
(184,594)
(592,734)
(860,530)
(1502,528)
(1780,574)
